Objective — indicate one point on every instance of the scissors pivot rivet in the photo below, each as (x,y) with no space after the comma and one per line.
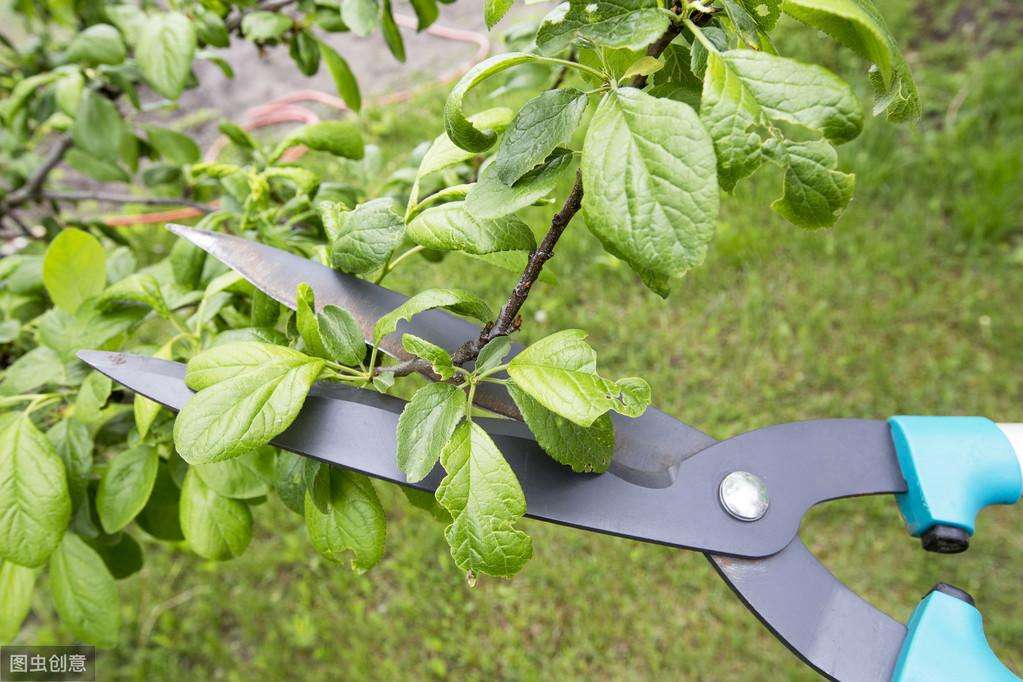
(744,496)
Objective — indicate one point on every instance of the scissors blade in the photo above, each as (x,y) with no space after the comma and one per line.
(823,622)
(355,428)
(807,608)
(649,449)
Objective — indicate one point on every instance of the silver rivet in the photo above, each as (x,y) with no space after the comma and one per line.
(744,496)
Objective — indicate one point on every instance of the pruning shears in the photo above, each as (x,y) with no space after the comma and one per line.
(739,501)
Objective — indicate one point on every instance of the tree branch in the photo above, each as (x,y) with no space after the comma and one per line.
(113,198)
(30,190)
(655,49)
(508,319)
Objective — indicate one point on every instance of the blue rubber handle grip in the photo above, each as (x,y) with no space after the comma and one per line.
(945,642)
(954,467)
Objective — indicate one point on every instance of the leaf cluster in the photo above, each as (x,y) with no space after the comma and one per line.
(654,109)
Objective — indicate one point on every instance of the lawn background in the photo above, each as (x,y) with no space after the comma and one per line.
(913,303)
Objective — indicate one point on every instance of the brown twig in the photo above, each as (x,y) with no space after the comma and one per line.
(508,319)
(112,198)
(655,49)
(30,190)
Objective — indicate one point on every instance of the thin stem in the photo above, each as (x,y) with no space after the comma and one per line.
(23,398)
(20,224)
(698,34)
(494,370)
(41,402)
(573,65)
(453,192)
(506,320)
(114,198)
(347,372)
(563,71)
(391,265)
(30,189)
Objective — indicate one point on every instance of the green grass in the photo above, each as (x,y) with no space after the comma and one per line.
(912,304)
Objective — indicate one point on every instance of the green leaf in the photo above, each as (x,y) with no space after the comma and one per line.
(332,334)
(644,66)
(211,29)
(265,310)
(341,335)
(160,516)
(815,191)
(490,198)
(16,585)
(305,321)
(242,478)
(172,145)
(426,425)
(238,136)
(125,487)
(165,51)
(745,92)
(97,128)
(424,500)
(460,129)
(494,10)
(215,527)
(698,53)
(128,18)
(248,393)
(803,94)
(34,503)
(485,501)
(344,80)
(542,124)
(257,334)
(365,237)
(457,301)
(73,443)
(342,514)
(764,12)
(491,355)
(92,396)
(560,372)
(122,558)
(450,227)
(426,13)
(340,138)
(84,593)
(651,187)
(585,449)
(97,169)
(98,44)
(38,367)
(362,16)
(633,24)
(305,52)
(289,480)
(389,31)
(443,153)
(89,328)
(858,25)
(138,288)
(438,358)
(677,80)
(264,26)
